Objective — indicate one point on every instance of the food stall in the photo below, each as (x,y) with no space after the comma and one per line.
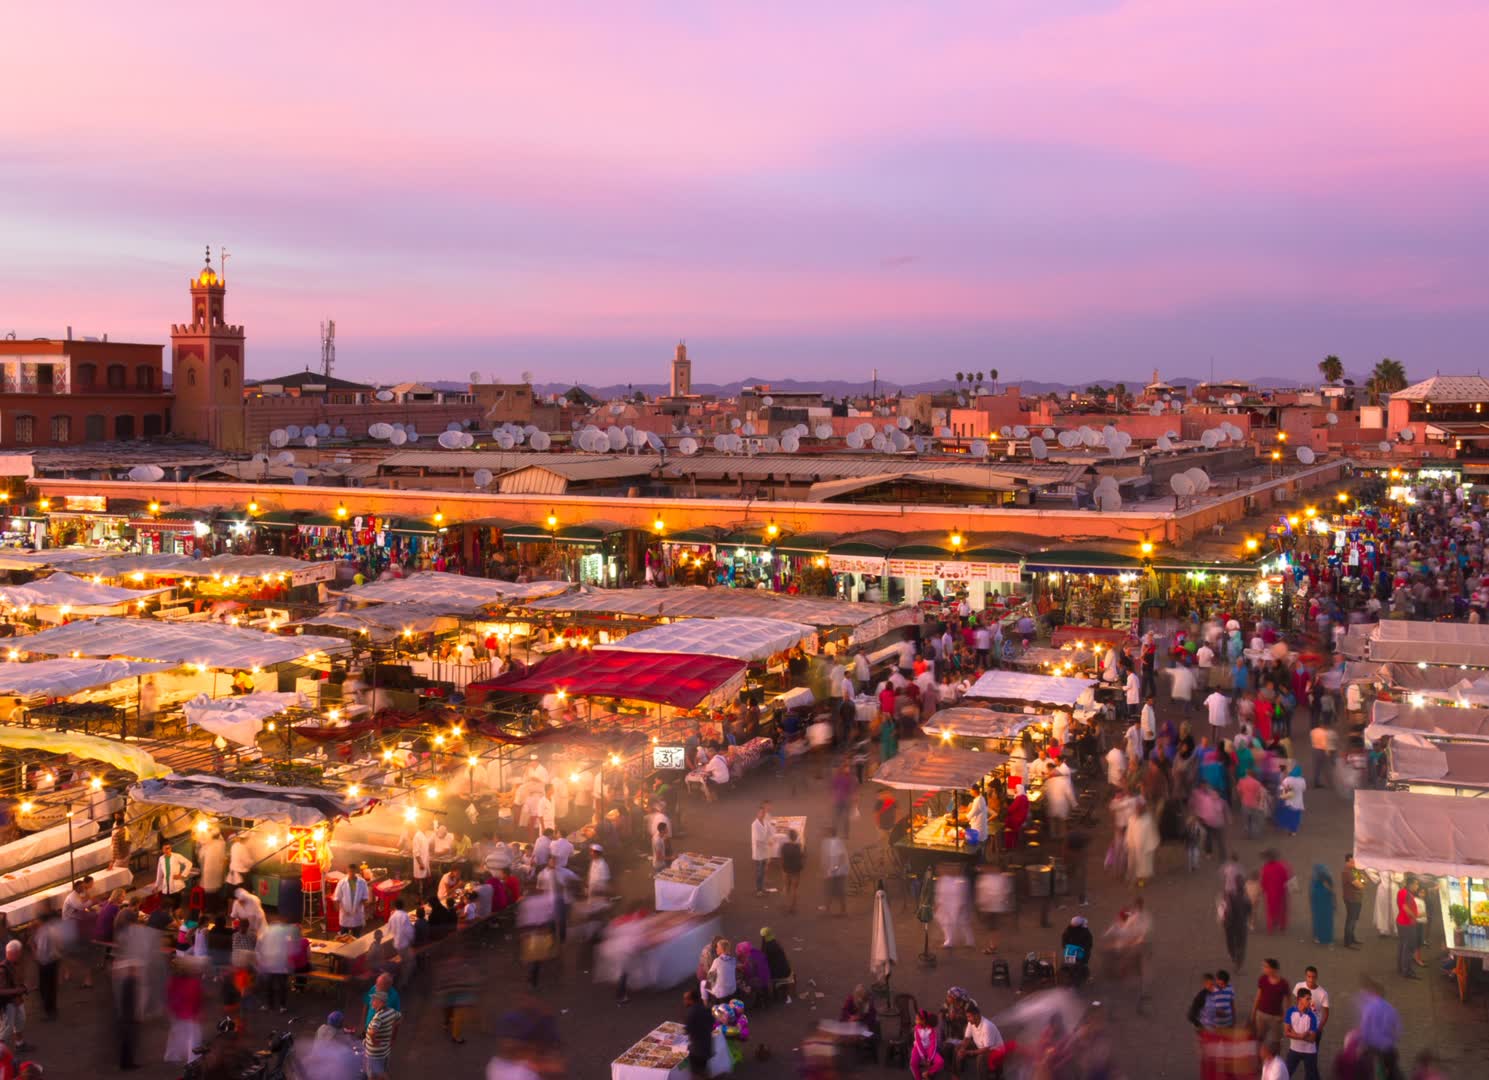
(1434,722)
(985,729)
(1419,641)
(1022,688)
(1447,768)
(1441,838)
(694,882)
(937,828)
(663,1055)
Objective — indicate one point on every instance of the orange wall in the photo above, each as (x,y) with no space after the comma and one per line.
(1158,525)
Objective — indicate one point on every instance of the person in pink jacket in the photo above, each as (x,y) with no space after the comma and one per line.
(925,1054)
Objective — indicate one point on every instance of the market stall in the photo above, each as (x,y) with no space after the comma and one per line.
(740,638)
(678,679)
(988,728)
(1431,721)
(453,594)
(1448,768)
(696,883)
(62,596)
(1442,837)
(237,719)
(1041,689)
(213,645)
(1418,641)
(941,773)
(663,1055)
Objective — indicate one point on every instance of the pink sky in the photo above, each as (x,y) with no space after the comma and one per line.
(1055,189)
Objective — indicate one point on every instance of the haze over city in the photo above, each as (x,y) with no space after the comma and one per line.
(1058,190)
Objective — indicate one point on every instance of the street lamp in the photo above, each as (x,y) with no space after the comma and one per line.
(772,530)
(341,511)
(1146,547)
(1252,543)
(658,525)
(439,517)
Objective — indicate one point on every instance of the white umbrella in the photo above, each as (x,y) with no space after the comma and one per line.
(882,953)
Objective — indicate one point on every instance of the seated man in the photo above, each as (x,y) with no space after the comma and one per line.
(716,773)
(982,1044)
(1076,944)
(859,1009)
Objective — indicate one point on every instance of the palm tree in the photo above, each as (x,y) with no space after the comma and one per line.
(960,378)
(1331,368)
(1388,377)
(1121,389)
(977,379)
(993,378)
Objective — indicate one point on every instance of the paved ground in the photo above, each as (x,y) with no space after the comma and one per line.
(833,953)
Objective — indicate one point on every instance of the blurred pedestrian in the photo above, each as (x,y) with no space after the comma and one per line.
(835,869)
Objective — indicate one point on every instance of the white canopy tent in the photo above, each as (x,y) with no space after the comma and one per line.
(739,638)
(16,559)
(971,723)
(1409,833)
(214,645)
(64,677)
(937,768)
(237,719)
(76,595)
(453,594)
(1045,689)
(1418,763)
(383,622)
(1430,721)
(1429,642)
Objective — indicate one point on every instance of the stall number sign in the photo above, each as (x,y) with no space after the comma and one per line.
(320,571)
(668,757)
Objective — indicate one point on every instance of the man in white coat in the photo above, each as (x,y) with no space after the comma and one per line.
(419,850)
(171,872)
(762,832)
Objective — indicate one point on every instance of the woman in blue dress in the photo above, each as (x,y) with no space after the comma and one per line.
(1321,899)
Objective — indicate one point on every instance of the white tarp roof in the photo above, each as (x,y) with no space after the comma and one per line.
(1432,642)
(65,677)
(936,768)
(153,565)
(1018,686)
(1443,721)
(214,644)
(980,723)
(385,621)
(739,638)
(1414,759)
(1426,834)
(18,559)
(237,719)
(452,593)
(64,590)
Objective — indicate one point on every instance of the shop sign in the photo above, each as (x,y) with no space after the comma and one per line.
(955,570)
(669,757)
(855,564)
(313,572)
(88,504)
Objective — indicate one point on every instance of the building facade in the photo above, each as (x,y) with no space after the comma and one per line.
(207,368)
(68,392)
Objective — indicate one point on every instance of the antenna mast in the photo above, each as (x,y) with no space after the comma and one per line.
(328,347)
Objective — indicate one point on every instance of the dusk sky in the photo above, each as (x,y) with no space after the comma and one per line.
(1059,189)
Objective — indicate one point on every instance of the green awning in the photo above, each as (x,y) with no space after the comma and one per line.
(587,534)
(409,526)
(995,555)
(1184,566)
(922,550)
(747,538)
(706,534)
(324,521)
(813,543)
(280,519)
(527,534)
(1083,561)
(868,544)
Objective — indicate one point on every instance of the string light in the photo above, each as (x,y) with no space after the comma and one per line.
(341,511)
(353,790)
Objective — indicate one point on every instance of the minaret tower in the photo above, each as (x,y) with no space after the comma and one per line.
(207,367)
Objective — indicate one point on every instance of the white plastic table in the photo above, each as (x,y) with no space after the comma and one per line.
(675,893)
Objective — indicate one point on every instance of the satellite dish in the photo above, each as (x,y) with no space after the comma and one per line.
(720,443)
(540,441)
(961,399)
(1199,479)
(865,431)
(530,430)
(1333,418)
(279,437)
(284,457)
(398,438)
(1090,436)
(1209,439)
(1005,431)
(292,431)
(978,448)
(385,395)
(854,440)
(467,440)
(747,429)
(1163,443)
(475,376)
(735,423)
(1020,432)
(900,441)
(736,444)
(482,478)
(1048,434)
(450,440)
(300,476)
(1181,483)
(1038,448)
(921,444)
(1109,501)
(454,425)
(878,442)
(823,431)
(311,440)
(1305,455)
(790,442)
(654,441)
(767,401)
(413,436)
(1407,434)
(1172,434)
(137,474)
(1384,447)
(617,438)
(505,441)
(322,430)
(1155,409)
(943,433)
(904,423)
(687,446)
(771,445)
(257,459)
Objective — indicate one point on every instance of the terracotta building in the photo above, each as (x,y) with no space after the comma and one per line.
(207,367)
(66,392)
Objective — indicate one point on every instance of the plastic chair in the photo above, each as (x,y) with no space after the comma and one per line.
(1001,975)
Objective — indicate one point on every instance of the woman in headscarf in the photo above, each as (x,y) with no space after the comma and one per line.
(1142,843)
(1321,899)
(1015,816)
(1290,801)
(752,968)
(889,741)
(1235,912)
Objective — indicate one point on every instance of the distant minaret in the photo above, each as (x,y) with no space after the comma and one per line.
(682,372)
